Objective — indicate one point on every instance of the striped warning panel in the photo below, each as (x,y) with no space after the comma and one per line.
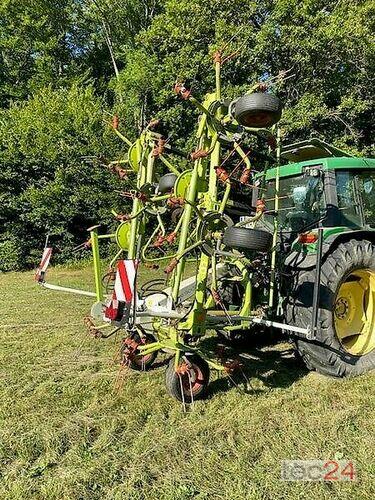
(124,292)
(125,280)
(42,268)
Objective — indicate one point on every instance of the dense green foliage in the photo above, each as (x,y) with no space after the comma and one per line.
(65,65)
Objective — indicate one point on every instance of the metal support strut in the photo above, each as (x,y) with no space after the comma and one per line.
(316,292)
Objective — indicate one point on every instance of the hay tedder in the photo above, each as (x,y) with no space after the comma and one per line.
(288,244)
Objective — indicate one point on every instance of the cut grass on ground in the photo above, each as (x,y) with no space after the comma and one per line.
(66,432)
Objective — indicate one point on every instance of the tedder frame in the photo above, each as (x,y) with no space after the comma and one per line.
(227,252)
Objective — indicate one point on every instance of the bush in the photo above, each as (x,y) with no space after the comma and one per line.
(47,185)
(10,256)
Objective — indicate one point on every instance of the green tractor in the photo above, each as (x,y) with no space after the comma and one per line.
(289,245)
(325,217)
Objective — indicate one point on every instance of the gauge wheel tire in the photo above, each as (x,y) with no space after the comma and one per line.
(256,335)
(258,110)
(247,239)
(199,372)
(231,294)
(144,363)
(345,337)
(166,183)
(238,338)
(250,338)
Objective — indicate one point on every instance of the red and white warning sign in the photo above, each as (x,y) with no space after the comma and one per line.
(42,268)
(124,293)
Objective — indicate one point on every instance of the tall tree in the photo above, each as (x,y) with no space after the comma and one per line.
(63,63)
(329,48)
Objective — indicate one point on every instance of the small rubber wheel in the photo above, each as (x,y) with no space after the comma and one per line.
(166,183)
(258,110)
(191,380)
(247,239)
(250,338)
(143,363)
(233,338)
(176,214)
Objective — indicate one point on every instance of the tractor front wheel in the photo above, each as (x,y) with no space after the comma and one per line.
(189,381)
(345,337)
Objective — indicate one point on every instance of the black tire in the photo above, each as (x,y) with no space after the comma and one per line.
(251,338)
(143,363)
(176,214)
(166,183)
(231,294)
(238,338)
(327,354)
(200,377)
(248,239)
(258,110)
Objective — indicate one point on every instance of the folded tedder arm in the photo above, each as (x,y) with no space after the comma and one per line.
(178,216)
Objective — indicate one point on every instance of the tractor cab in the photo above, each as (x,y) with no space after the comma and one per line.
(322,187)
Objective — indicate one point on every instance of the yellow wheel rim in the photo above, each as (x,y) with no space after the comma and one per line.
(354,312)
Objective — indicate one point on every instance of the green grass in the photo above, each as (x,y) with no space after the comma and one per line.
(66,432)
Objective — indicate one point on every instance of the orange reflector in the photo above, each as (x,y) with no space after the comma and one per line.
(306,238)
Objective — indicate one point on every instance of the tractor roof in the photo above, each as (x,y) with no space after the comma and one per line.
(316,152)
(326,163)
(310,149)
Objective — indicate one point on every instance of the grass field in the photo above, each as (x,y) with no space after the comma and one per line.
(67,432)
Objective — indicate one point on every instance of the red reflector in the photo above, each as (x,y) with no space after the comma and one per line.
(306,238)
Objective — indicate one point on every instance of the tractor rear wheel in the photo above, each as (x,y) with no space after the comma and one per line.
(345,337)
(190,381)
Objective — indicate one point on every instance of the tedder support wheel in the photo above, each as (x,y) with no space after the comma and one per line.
(257,336)
(190,381)
(345,338)
(258,110)
(166,183)
(247,239)
(130,356)
(231,294)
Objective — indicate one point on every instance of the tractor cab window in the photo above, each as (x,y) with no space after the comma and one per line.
(301,202)
(366,185)
(356,197)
